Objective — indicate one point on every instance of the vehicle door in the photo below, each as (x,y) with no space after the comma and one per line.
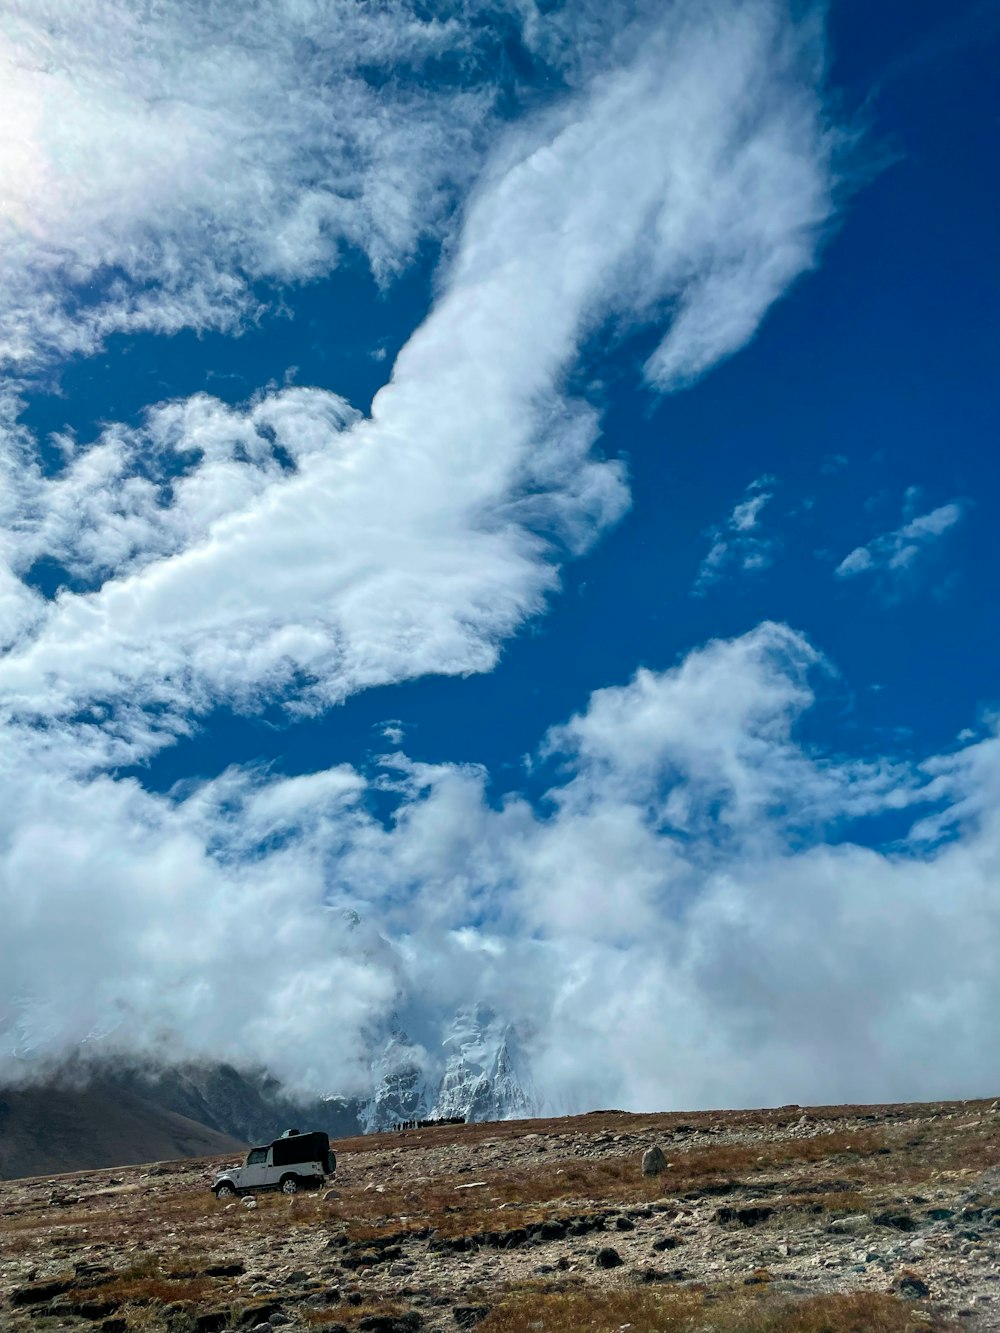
(272,1173)
(255,1172)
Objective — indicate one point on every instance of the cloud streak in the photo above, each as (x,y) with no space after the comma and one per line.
(158,163)
(737,546)
(895,557)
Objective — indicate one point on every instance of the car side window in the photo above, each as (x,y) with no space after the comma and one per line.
(258,1157)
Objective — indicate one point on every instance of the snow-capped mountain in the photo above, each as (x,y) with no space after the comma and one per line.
(480,1072)
(403,1090)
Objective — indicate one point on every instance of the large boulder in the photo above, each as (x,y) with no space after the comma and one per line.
(653,1161)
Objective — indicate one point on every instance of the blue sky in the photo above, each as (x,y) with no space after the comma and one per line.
(690,314)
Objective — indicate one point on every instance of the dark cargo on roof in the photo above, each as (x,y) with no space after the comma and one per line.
(301,1148)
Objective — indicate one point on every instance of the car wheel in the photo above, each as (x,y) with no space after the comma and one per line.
(290,1185)
(225,1191)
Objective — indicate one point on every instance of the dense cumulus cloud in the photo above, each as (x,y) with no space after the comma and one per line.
(685,918)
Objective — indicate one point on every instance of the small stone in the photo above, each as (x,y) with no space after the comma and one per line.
(607,1257)
(331,1195)
(624,1224)
(898,1221)
(297,1276)
(212,1321)
(912,1288)
(249,1202)
(653,1161)
(667,1243)
(278,1317)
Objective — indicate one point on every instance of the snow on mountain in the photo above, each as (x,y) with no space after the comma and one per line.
(402,1088)
(485,1075)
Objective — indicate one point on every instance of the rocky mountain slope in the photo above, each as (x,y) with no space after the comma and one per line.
(840,1219)
(48,1129)
(248,1104)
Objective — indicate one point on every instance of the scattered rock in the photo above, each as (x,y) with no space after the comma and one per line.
(667,1243)
(746,1217)
(212,1321)
(388,1323)
(249,1201)
(912,1288)
(624,1224)
(607,1257)
(236,1269)
(37,1292)
(898,1221)
(653,1161)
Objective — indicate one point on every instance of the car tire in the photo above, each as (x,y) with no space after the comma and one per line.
(225,1191)
(289,1185)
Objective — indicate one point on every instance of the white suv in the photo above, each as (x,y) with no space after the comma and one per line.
(293,1162)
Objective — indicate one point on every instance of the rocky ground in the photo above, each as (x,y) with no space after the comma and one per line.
(824,1220)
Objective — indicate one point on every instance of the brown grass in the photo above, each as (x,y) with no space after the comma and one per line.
(529,1194)
(698,1311)
(152,1290)
(351,1314)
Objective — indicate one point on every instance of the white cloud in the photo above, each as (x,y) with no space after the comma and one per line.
(892,556)
(685,922)
(156,163)
(291,550)
(417,540)
(737,544)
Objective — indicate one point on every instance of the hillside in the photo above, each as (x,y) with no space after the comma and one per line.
(55,1129)
(826,1220)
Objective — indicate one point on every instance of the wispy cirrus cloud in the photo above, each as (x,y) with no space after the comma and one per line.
(739,545)
(157,163)
(895,558)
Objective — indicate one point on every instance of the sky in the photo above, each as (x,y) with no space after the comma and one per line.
(497,509)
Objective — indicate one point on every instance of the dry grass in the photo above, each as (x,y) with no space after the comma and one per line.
(151,1290)
(351,1315)
(520,1196)
(700,1311)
